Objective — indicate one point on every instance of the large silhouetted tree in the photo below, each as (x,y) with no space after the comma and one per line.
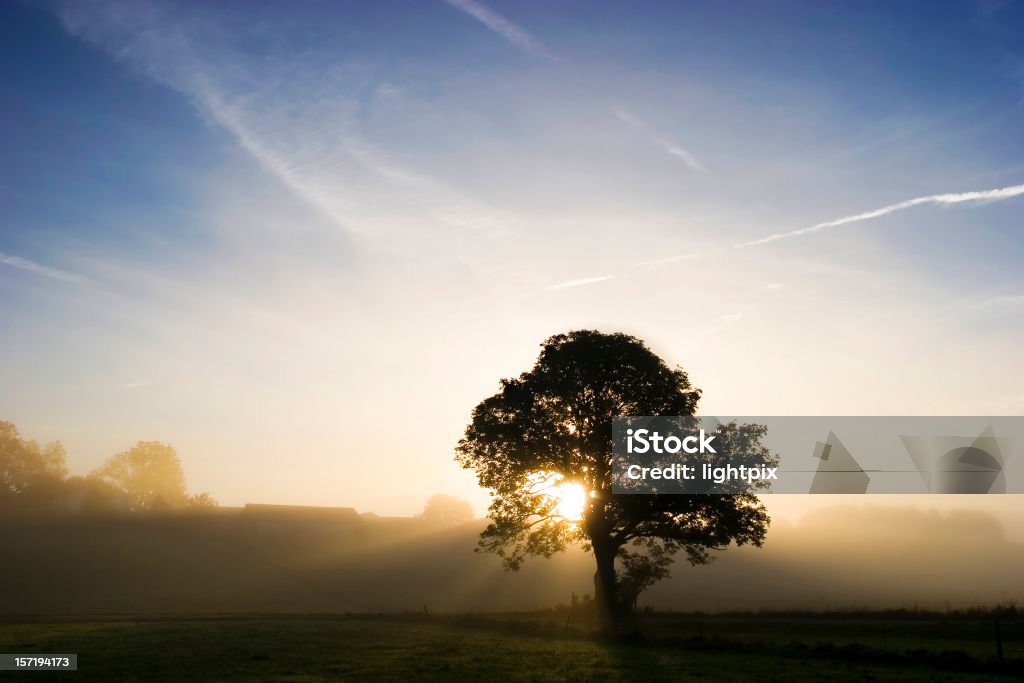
(150,473)
(556,420)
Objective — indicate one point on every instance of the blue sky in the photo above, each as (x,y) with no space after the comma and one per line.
(253,229)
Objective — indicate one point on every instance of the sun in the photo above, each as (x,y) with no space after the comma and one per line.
(570,501)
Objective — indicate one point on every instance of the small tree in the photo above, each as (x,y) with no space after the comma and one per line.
(554,423)
(202,500)
(150,473)
(445,510)
(641,570)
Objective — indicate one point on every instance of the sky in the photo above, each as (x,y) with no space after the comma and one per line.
(300,241)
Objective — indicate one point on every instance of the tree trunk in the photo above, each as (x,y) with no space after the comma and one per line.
(605,591)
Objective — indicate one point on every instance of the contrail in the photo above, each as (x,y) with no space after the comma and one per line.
(38,269)
(682,153)
(282,126)
(670,147)
(579,283)
(505,28)
(950,198)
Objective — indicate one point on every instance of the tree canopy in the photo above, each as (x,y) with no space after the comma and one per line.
(150,473)
(202,500)
(24,462)
(34,479)
(29,473)
(550,428)
(444,510)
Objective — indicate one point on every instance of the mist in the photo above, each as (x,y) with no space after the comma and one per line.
(301,560)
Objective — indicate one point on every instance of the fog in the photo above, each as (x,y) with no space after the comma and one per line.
(301,560)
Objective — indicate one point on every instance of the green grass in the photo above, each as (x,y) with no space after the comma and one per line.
(394,649)
(930,633)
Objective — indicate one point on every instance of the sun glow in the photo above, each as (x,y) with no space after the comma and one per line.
(568,498)
(571,501)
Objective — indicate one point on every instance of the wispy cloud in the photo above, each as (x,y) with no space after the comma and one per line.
(670,147)
(580,282)
(305,131)
(1001,301)
(624,274)
(39,269)
(976,197)
(645,265)
(629,118)
(505,28)
(675,150)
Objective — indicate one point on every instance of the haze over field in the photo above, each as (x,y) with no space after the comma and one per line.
(300,243)
(846,557)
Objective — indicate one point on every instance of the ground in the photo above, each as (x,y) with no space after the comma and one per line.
(495,648)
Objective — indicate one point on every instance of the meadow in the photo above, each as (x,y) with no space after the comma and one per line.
(535,647)
(226,596)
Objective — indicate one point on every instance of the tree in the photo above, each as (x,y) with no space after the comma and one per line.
(445,510)
(30,474)
(202,500)
(554,424)
(640,571)
(93,495)
(150,473)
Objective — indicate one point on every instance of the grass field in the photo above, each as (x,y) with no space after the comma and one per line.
(468,649)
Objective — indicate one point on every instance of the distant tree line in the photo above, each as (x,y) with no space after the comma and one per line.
(35,479)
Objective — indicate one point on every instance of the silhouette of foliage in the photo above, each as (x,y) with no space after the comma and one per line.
(556,419)
(641,570)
